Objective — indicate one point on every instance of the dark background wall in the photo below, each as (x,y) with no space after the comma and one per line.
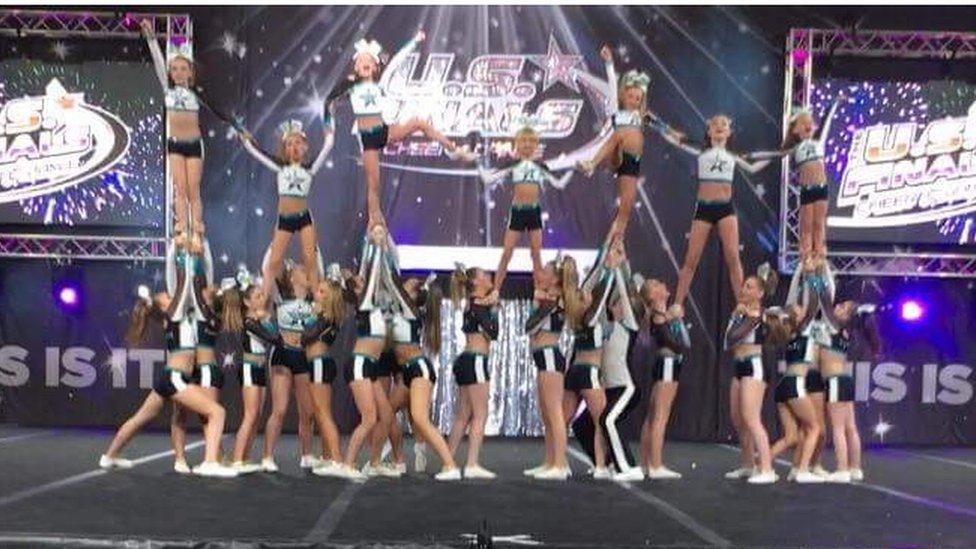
(266,64)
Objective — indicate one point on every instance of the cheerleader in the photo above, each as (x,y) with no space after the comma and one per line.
(744,337)
(844,321)
(366,95)
(626,144)
(173,382)
(471,290)
(587,322)
(713,207)
(321,328)
(413,341)
(289,367)
(259,334)
(671,341)
(184,142)
(294,178)
(545,327)
(525,213)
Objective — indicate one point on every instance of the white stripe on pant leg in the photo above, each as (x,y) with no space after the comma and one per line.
(479,369)
(668,368)
(610,425)
(757,368)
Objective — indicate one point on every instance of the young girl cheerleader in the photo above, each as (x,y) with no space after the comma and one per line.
(471,289)
(289,367)
(671,341)
(412,340)
(744,337)
(173,381)
(367,96)
(545,328)
(321,328)
(294,177)
(713,209)
(626,145)
(525,213)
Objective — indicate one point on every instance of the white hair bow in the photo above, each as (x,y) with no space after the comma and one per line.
(371,48)
(244,279)
(334,273)
(798,111)
(226,284)
(182,49)
(635,78)
(289,127)
(142,292)
(429,280)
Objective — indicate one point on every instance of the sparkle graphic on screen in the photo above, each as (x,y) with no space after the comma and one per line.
(133,189)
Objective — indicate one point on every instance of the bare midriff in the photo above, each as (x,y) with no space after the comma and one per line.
(183,125)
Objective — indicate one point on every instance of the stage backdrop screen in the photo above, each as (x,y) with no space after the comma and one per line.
(902,159)
(81,142)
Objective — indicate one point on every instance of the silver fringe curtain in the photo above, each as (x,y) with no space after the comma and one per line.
(513,407)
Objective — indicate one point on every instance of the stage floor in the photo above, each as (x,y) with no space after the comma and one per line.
(52,492)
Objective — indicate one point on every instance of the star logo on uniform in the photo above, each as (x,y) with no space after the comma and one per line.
(557,66)
(719,165)
(369,98)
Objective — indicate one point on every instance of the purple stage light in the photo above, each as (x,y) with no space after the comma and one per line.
(800,56)
(912,310)
(68,296)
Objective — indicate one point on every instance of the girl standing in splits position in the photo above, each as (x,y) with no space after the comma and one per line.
(744,337)
(294,179)
(545,327)
(671,341)
(259,335)
(716,173)
(626,144)
(471,289)
(289,367)
(367,99)
(328,312)
(173,381)
(411,338)
(525,214)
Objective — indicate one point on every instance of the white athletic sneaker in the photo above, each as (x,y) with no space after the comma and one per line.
(662,473)
(808,477)
(553,473)
(401,468)
(840,477)
(769,477)
(106,462)
(454,473)
(820,471)
(857,475)
(268,465)
(420,457)
(246,467)
(602,473)
(389,470)
(214,469)
(308,461)
(181,467)
(350,473)
(462,153)
(792,475)
(328,468)
(535,470)
(478,472)
(741,473)
(634,474)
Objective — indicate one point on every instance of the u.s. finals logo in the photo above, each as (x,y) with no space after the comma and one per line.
(52,142)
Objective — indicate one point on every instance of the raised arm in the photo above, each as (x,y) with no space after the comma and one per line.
(490,177)
(159,62)
(598,304)
(406,50)
(629,320)
(823,129)
(740,326)
(538,316)
(750,167)
(199,286)
(557,182)
(258,154)
(612,80)
(767,155)
(329,122)
(676,139)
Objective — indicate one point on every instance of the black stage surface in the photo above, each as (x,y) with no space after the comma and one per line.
(51,492)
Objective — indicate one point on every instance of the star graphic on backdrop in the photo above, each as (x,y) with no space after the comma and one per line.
(882,427)
(558,67)
(60,49)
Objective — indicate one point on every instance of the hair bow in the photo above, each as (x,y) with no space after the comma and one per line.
(429,281)
(244,279)
(179,46)
(289,127)
(637,279)
(226,284)
(371,48)
(635,78)
(142,292)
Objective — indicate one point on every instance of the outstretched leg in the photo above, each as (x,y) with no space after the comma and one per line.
(696,245)
(728,234)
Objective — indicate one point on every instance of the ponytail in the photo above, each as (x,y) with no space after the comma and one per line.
(135,333)
(572,300)
(231,307)
(432,324)
(461,283)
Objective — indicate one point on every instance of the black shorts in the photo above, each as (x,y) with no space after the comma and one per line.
(813,193)
(293,223)
(815,381)
(525,217)
(192,148)
(205,336)
(667,368)
(169,382)
(371,324)
(751,367)
(386,365)
(419,367)
(839,388)
(208,375)
(549,359)
(789,388)
(375,138)
(360,367)
(629,165)
(713,212)
(252,375)
(581,376)
(471,368)
(291,358)
(323,369)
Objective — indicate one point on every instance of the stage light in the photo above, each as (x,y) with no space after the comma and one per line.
(68,296)
(912,310)
(800,56)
